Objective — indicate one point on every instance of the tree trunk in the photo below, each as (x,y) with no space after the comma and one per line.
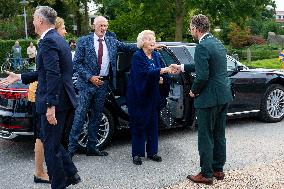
(86,17)
(78,22)
(179,19)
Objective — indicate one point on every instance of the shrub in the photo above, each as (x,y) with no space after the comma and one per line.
(256,40)
(258,52)
(12,28)
(266,63)
(238,37)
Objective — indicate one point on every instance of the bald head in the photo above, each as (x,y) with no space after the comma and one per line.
(100,26)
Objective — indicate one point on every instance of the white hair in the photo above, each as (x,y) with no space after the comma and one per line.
(99,18)
(47,13)
(141,35)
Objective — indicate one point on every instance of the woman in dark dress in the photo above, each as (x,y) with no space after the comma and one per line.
(143,97)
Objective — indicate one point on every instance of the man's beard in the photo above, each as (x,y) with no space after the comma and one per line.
(195,38)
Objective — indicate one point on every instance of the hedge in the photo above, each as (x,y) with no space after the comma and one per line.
(6,46)
(258,52)
(265,63)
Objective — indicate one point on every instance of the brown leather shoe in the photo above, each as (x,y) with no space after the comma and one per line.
(219,175)
(200,179)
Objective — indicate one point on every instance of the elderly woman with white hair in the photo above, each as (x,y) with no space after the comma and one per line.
(143,97)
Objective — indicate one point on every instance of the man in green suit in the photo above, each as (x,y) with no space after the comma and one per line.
(211,91)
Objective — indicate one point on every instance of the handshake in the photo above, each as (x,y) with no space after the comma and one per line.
(172,69)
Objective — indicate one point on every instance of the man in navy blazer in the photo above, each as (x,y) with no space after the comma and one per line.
(94,67)
(55,95)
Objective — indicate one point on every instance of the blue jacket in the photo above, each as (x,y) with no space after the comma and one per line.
(54,74)
(143,93)
(86,62)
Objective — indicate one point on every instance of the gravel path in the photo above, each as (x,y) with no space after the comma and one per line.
(250,144)
(257,176)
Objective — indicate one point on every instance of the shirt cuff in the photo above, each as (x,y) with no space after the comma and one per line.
(20,76)
(182,67)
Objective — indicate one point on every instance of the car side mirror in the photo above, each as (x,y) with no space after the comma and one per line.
(240,67)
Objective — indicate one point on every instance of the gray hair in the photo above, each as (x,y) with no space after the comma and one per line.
(47,13)
(201,23)
(141,35)
(99,18)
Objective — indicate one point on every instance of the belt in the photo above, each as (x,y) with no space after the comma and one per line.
(104,78)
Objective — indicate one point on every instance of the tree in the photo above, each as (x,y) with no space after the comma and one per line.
(9,8)
(237,11)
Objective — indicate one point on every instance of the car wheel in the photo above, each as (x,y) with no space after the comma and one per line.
(272,105)
(105,132)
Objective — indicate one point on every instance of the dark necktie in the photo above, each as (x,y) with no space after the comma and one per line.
(100,52)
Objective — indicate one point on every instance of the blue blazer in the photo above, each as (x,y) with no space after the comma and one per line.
(54,74)
(86,62)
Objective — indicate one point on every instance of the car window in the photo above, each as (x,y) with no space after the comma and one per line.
(191,50)
(123,62)
(231,63)
(167,58)
(183,54)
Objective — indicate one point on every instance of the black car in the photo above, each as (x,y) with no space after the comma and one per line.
(258,92)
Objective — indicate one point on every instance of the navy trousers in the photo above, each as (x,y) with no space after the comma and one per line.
(148,134)
(89,101)
(59,164)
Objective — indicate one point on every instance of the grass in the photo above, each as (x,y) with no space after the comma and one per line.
(274,63)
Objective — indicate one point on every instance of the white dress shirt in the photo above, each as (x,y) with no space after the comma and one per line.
(105,59)
(44,33)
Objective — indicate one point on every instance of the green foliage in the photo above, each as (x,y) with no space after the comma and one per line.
(128,24)
(12,28)
(238,36)
(169,19)
(6,47)
(271,26)
(258,52)
(9,8)
(273,63)
(231,10)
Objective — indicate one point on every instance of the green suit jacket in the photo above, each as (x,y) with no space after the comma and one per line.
(211,84)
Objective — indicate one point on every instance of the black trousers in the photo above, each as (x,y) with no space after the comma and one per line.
(59,164)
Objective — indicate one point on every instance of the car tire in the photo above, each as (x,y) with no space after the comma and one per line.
(272,104)
(105,133)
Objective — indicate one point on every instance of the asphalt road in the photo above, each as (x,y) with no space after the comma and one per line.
(248,142)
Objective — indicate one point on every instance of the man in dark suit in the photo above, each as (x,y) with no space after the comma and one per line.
(211,91)
(55,95)
(95,62)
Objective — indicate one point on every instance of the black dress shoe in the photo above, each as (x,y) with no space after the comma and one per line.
(75,179)
(155,158)
(137,160)
(96,152)
(39,180)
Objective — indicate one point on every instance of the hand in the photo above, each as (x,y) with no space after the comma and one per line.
(50,116)
(159,46)
(96,81)
(161,80)
(175,69)
(12,78)
(165,70)
(191,94)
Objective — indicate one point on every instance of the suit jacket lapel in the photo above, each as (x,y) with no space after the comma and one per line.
(108,43)
(91,46)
